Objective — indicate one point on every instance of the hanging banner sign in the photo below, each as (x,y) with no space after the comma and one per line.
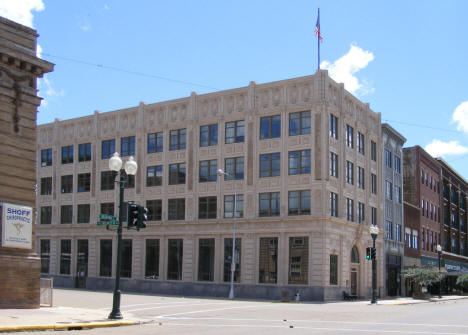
(16,226)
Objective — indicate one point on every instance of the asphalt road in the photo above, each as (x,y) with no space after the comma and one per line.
(178,315)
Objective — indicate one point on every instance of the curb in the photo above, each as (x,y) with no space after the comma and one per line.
(68,326)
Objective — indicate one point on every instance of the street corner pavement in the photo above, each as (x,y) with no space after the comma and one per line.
(410,301)
(59,318)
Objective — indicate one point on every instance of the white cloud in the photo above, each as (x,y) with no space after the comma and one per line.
(47,91)
(38,51)
(20,11)
(437,148)
(85,27)
(460,116)
(344,68)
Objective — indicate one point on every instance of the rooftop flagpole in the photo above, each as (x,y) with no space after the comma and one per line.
(319,37)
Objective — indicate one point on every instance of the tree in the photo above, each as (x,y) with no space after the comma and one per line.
(462,281)
(424,276)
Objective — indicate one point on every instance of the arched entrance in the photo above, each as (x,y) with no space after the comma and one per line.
(355,271)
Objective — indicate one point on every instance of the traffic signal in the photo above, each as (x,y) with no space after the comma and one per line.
(142,217)
(373,253)
(368,253)
(132,215)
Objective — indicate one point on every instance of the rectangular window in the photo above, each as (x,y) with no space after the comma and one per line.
(177,139)
(46,215)
(154,175)
(130,181)
(388,190)
(299,162)
(361,178)
(45,256)
(270,165)
(333,165)
(298,260)
(46,186)
(229,206)
(105,265)
(415,239)
(152,259)
(107,180)
(349,172)
(83,213)
(228,260)
(361,143)
(299,203)
(67,184)
(269,204)
(177,174)
(373,183)
(84,182)
(209,135)
(333,269)
(207,207)
(268,260)
(361,212)
(397,165)
(65,257)
(176,209)
(208,170)
(67,154)
(270,127)
(154,210)
(107,148)
(299,123)
(107,208)
(84,152)
(155,142)
(66,214)
(127,146)
(349,136)
(388,158)
(398,195)
(333,204)
(374,216)
(373,151)
(175,250)
(349,209)
(398,232)
(234,168)
(333,126)
(234,132)
(206,255)
(407,237)
(388,230)
(126,267)
(46,157)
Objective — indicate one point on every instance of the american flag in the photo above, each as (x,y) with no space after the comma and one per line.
(317,28)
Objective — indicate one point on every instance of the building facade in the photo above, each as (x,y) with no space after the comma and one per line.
(19,70)
(392,176)
(300,154)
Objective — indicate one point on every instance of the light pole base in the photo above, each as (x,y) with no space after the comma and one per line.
(231,293)
(115,315)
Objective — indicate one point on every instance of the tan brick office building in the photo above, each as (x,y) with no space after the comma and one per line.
(301,153)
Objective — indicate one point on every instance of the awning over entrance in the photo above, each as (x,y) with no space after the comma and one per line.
(450,267)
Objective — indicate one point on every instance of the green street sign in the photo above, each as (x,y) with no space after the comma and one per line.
(107,217)
(100,223)
(114,223)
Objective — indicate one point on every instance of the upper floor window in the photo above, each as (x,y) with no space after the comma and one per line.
(127,146)
(333,204)
(177,173)
(209,135)
(84,152)
(46,186)
(107,148)
(349,136)
(67,154)
(333,165)
(154,210)
(208,170)
(333,126)
(107,180)
(234,132)
(46,215)
(388,230)
(176,209)
(84,182)
(155,142)
(388,158)
(270,127)
(361,212)
(269,204)
(299,202)
(361,143)
(234,168)
(360,178)
(177,140)
(229,206)
(270,165)
(388,190)
(299,123)
(397,164)
(46,157)
(373,183)
(154,175)
(373,151)
(349,209)
(398,195)
(67,184)
(299,162)
(207,207)
(349,172)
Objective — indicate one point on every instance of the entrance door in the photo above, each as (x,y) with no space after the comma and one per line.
(81,264)
(354,282)
(392,281)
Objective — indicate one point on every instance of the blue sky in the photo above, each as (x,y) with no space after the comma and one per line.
(408,59)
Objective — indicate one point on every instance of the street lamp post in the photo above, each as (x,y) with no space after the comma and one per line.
(233,256)
(374,231)
(439,251)
(115,164)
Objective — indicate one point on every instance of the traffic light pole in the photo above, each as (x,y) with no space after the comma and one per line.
(374,273)
(115,313)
